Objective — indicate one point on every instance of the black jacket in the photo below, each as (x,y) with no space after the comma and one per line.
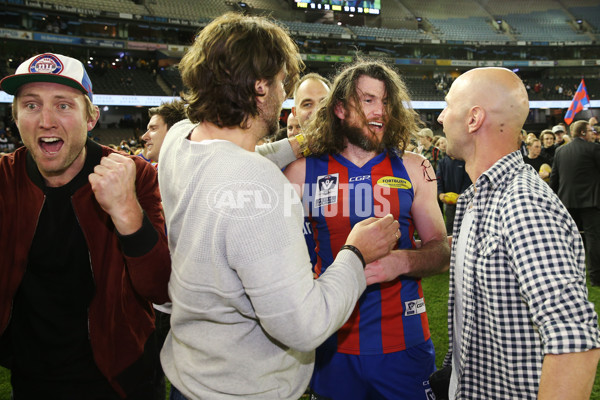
(575,174)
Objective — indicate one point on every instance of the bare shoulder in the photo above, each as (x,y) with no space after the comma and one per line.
(412,159)
(296,174)
(419,169)
(414,163)
(296,171)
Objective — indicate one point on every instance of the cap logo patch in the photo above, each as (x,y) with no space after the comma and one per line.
(46,64)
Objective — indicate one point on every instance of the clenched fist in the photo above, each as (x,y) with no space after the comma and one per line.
(113,183)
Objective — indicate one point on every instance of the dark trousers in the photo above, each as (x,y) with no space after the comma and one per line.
(144,380)
(163,324)
(588,221)
(176,394)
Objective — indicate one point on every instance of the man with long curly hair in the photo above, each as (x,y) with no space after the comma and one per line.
(359,170)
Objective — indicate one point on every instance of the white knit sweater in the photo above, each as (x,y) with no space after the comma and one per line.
(247,313)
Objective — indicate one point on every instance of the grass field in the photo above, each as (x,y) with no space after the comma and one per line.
(436,298)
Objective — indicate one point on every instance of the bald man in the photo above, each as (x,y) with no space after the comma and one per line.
(310,90)
(520,325)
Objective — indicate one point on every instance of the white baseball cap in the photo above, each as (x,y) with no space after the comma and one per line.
(49,67)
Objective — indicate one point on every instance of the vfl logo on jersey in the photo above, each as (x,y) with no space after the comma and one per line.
(394,183)
(46,64)
(414,307)
(327,190)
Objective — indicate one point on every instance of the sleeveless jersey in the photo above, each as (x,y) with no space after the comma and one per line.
(390,316)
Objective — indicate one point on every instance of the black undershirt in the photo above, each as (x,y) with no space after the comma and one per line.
(49,323)
(536,163)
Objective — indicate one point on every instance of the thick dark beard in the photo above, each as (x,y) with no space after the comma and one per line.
(356,136)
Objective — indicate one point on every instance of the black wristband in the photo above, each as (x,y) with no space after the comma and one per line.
(355,251)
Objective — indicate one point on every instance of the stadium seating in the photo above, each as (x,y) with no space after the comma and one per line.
(457,29)
(120,6)
(384,33)
(543,26)
(127,82)
(589,14)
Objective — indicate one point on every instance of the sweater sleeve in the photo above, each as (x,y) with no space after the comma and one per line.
(280,152)
(269,255)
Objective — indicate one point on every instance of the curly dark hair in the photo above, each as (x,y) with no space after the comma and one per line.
(171,112)
(226,60)
(324,132)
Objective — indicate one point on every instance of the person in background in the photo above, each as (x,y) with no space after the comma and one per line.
(310,90)
(244,323)
(559,132)
(359,170)
(426,147)
(592,134)
(84,252)
(162,118)
(530,138)
(520,324)
(523,142)
(3,142)
(536,160)
(293,125)
(575,178)
(441,144)
(452,181)
(548,139)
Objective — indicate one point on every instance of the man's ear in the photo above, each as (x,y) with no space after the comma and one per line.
(261,87)
(294,111)
(91,123)
(475,118)
(340,111)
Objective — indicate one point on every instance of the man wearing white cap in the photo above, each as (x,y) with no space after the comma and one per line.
(559,131)
(84,253)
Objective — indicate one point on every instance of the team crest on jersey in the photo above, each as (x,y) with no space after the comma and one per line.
(46,64)
(414,307)
(394,182)
(327,189)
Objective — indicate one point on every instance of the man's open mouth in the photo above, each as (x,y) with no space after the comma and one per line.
(51,145)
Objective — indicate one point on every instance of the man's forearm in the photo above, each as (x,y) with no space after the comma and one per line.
(568,376)
(430,259)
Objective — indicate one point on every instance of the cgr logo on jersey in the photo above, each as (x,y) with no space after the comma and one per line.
(46,64)
(360,178)
(394,183)
(414,307)
(327,190)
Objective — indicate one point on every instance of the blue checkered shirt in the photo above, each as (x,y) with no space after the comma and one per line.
(524,284)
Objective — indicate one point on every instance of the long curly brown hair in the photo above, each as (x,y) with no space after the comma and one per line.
(324,133)
(226,60)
